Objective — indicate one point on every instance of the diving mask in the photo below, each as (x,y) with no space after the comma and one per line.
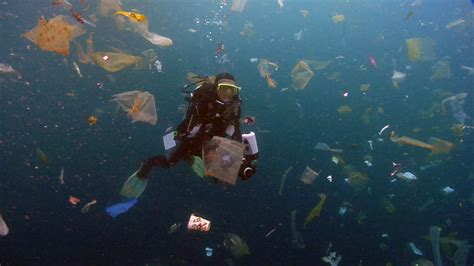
(227,88)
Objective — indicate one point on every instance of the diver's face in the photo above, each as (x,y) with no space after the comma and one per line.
(225,94)
(226,90)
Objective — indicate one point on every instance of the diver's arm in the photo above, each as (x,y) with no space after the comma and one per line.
(237,136)
(190,119)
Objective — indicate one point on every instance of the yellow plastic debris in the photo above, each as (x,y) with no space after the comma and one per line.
(316,211)
(301,75)
(132,16)
(114,62)
(338,18)
(344,110)
(420,49)
(55,34)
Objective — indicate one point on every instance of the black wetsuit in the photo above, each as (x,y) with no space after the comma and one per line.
(212,115)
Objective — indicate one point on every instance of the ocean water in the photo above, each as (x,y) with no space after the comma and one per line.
(46,105)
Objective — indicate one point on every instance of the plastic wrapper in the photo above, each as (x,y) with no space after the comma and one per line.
(236,245)
(4,230)
(54,35)
(316,211)
(222,159)
(308,176)
(238,5)
(139,105)
(441,70)
(420,49)
(197,223)
(114,62)
(301,75)
(296,237)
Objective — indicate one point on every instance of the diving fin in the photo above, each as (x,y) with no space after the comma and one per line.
(134,186)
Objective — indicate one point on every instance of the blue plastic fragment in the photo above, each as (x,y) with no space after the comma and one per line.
(209,251)
(121,207)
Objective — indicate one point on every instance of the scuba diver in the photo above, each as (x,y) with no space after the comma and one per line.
(214,110)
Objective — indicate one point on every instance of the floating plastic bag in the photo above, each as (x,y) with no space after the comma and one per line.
(120,208)
(139,105)
(308,176)
(238,5)
(236,245)
(140,26)
(441,70)
(196,223)
(407,176)
(114,62)
(397,78)
(301,75)
(222,159)
(456,104)
(6,69)
(420,49)
(55,34)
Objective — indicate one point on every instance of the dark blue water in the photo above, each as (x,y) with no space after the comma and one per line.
(37,113)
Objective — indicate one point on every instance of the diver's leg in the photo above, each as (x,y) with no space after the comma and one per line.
(163,161)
